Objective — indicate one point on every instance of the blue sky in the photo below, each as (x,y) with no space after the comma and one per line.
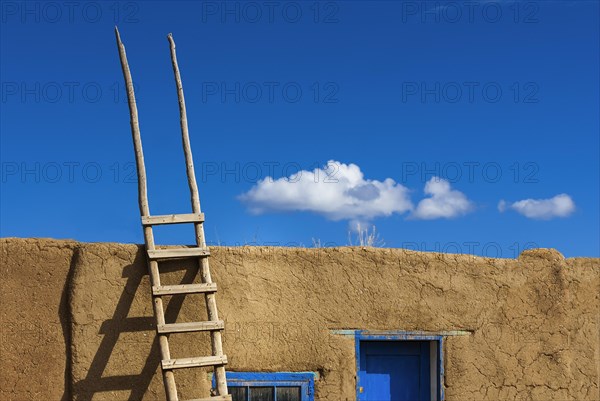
(307,118)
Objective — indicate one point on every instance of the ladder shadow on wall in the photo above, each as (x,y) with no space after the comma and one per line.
(112,329)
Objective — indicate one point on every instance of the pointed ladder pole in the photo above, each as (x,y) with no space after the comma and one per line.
(168,376)
(211,303)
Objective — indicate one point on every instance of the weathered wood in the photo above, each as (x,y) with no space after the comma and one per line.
(211,302)
(173,219)
(157,305)
(196,362)
(135,128)
(187,149)
(183,289)
(189,327)
(155,254)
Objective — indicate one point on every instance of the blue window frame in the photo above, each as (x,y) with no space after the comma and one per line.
(278,386)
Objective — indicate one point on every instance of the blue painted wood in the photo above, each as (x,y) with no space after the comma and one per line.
(394,371)
(304,380)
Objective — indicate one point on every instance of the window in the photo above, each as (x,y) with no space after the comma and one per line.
(244,386)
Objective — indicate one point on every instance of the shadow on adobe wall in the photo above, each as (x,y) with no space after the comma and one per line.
(64,316)
(120,323)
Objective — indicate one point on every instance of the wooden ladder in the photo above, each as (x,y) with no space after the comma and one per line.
(200,252)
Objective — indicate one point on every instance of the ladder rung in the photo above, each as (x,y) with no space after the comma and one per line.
(215,398)
(173,219)
(189,327)
(155,254)
(183,289)
(194,362)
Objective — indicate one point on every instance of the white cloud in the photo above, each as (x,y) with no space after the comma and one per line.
(544,209)
(338,191)
(444,202)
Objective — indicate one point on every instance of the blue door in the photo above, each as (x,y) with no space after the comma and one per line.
(394,371)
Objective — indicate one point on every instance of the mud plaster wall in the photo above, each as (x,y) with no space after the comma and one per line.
(77,319)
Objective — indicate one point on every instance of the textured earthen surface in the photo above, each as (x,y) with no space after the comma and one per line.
(34,319)
(529,327)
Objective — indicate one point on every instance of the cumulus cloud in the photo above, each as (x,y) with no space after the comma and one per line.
(338,191)
(444,202)
(543,209)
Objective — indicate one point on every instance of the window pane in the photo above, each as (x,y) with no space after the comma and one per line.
(238,393)
(288,393)
(262,394)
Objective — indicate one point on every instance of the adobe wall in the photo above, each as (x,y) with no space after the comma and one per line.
(530,327)
(34,319)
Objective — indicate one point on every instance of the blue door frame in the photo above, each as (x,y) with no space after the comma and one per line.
(366,337)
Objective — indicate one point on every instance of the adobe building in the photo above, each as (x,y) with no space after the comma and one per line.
(304,324)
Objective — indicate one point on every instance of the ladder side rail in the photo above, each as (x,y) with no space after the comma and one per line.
(185,137)
(211,303)
(168,376)
(159,314)
(135,129)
